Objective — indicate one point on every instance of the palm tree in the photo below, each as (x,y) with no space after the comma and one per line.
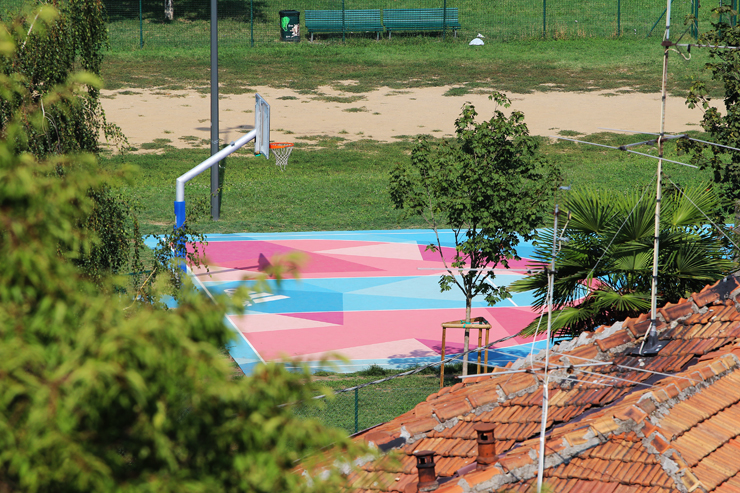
(604,265)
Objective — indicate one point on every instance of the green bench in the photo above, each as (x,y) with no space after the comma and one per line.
(330,21)
(420,20)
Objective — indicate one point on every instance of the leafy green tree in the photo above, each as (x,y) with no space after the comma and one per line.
(604,268)
(724,128)
(489,185)
(52,41)
(101,393)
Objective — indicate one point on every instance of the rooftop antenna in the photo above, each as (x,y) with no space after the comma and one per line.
(650,345)
(550,288)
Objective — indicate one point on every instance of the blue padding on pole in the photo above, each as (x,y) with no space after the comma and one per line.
(179,213)
(179,222)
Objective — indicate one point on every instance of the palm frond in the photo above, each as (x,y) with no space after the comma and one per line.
(688,209)
(614,300)
(589,213)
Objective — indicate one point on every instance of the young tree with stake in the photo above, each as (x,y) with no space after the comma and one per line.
(489,185)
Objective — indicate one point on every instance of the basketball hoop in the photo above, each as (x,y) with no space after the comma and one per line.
(282,152)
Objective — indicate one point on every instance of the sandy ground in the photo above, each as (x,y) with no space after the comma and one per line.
(183,117)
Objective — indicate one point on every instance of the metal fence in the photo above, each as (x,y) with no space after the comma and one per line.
(363,408)
(136,23)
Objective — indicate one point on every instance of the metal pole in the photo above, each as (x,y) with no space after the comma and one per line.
(251,22)
(619,17)
(695,24)
(357,413)
(544,18)
(545,393)
(444,20)
(343,22)
(141,27)
(652,335)
(214,108)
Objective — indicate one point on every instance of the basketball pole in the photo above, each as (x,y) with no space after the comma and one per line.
(214,109)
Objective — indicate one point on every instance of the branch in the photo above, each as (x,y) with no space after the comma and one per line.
(444,261)
(29,32)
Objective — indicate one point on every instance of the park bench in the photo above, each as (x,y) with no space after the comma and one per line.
(420,20)
(337,21)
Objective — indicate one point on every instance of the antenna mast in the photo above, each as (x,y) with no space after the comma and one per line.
(546,382)
(650,345)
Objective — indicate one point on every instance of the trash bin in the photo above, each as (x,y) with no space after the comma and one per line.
(290,27)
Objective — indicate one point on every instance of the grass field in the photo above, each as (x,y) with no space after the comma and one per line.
(335,185)
(522,66)
(374,404)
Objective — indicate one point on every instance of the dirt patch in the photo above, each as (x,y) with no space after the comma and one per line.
(183,117)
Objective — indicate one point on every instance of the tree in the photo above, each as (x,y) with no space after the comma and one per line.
(51,44)
(101,393)
(489,186)
(604,266)
(724,128)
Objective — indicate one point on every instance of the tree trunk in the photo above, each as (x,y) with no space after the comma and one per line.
(466,343)
(169,10)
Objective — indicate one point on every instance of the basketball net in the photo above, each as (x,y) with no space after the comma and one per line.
(282,152)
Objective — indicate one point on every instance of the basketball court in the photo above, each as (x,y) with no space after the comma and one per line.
(371,297)
(363,297)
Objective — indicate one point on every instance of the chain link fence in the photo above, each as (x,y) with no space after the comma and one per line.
(137,23)
(364,408)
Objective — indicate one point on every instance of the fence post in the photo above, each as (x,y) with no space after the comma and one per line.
(444,20)
(357,414)
(544,18)
(141,27)
(343,30)
(619,18)
(695,26)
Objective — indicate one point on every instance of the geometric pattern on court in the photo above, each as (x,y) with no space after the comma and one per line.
(370,296)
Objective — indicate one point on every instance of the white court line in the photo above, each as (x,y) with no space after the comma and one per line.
(233,325)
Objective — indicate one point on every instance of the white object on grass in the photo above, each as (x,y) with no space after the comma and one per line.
(476,42)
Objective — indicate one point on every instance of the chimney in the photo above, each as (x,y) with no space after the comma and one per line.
(486,445)
(427,475)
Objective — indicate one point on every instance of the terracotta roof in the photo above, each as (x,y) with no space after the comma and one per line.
(670,422)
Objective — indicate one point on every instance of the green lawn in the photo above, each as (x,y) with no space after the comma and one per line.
(335,185)
(521,66)
(374,404)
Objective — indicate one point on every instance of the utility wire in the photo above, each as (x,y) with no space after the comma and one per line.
(417,370)
(700,210)
(625,150)
(633,368)
(669,137)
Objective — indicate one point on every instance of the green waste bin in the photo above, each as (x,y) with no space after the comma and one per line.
(290,27)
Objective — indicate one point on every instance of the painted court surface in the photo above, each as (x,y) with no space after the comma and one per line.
(369,296)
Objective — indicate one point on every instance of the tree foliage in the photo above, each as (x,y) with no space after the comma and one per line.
(100,393)
(723,67)
(53,41)
(59,110)
(603,269)
(489,185)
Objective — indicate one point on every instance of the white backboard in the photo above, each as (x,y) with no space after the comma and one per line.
(262,125)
